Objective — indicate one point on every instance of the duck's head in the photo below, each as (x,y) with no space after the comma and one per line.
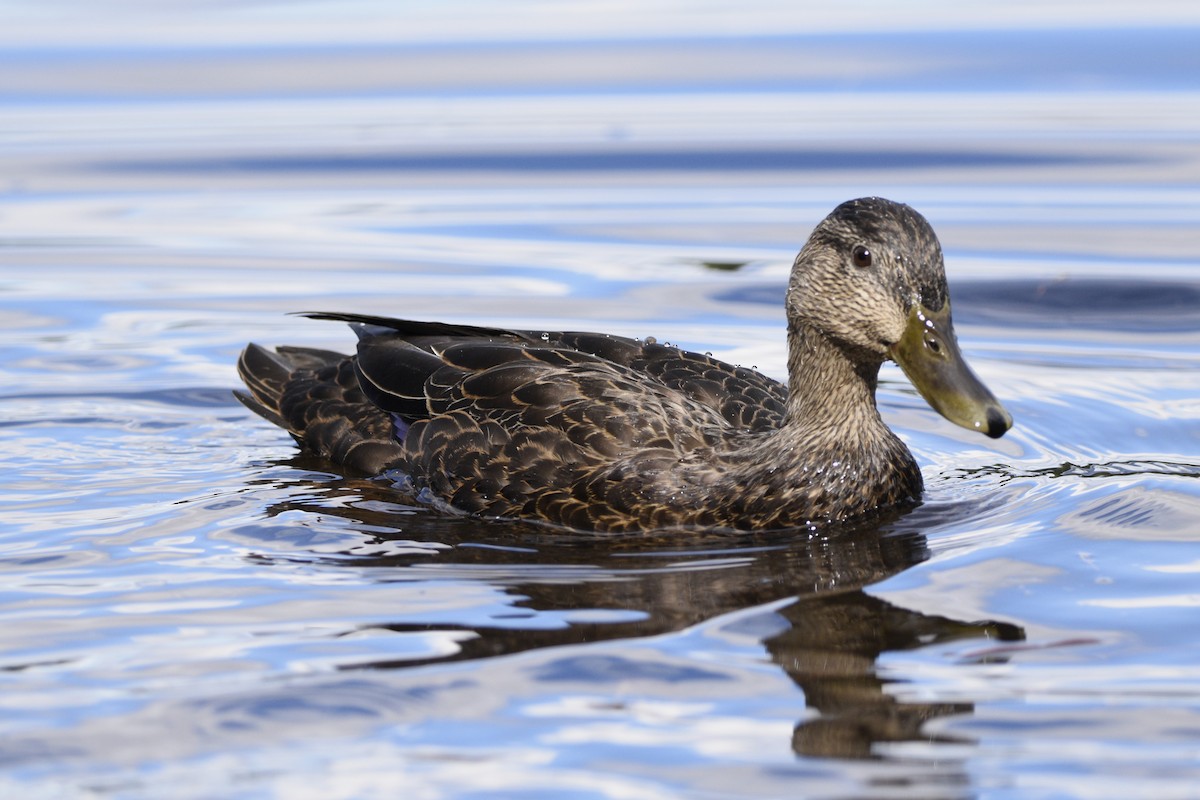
(871,278)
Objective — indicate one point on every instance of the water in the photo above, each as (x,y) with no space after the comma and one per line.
(188,609)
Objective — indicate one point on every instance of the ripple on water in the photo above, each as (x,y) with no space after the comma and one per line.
(1146,511)
(1110,305)
(189,608)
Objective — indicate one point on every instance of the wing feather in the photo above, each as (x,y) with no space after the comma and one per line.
(528,423)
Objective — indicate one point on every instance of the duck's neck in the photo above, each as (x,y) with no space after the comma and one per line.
(830,390)
(833,457)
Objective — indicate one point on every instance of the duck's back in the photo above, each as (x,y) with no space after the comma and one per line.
(562,427)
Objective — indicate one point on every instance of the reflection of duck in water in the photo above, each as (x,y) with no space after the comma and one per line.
(599,432)
(831,650)
(828,639)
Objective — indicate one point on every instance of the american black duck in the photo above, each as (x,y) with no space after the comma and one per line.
(605,433)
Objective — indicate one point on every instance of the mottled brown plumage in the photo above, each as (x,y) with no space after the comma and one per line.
(606,433)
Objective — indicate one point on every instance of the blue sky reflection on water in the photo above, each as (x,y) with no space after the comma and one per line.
(1071,59)
(190,610)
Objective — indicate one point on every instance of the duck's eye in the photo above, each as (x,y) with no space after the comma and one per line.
(861,255)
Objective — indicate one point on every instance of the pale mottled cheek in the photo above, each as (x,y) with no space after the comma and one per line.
(890,328)
(871,321)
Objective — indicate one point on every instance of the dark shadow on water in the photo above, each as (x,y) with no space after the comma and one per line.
(1092,304)
(1109,305)
(768,159)
(827,639)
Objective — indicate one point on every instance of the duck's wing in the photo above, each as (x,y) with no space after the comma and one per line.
(512,425)
(744,398)
(559,426)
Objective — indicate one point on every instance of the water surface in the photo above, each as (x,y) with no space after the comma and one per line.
(191,609)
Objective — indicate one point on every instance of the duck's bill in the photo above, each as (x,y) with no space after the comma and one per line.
(929,355)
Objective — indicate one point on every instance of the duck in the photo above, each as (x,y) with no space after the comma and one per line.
(602,433)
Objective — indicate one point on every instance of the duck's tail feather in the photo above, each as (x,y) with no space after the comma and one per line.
(313,395)
(368,324)
(266,374)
